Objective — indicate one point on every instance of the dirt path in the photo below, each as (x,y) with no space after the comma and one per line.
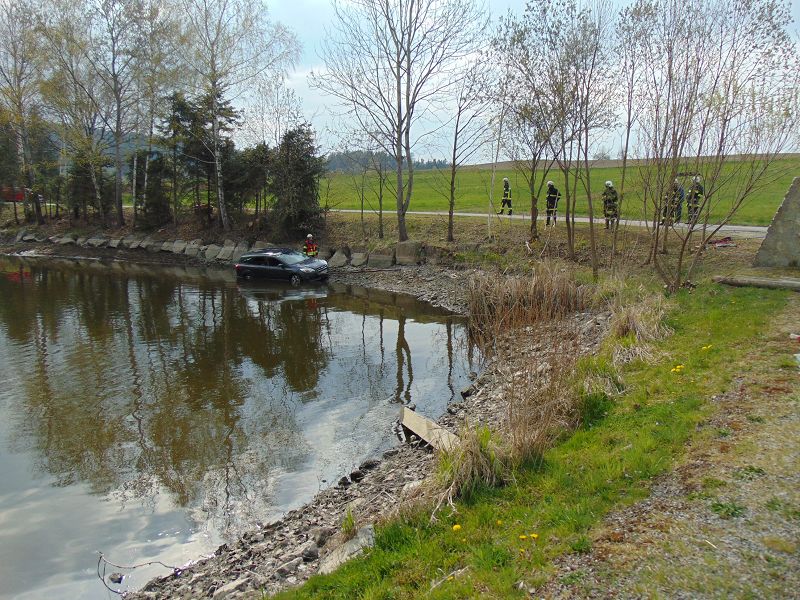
(726,522)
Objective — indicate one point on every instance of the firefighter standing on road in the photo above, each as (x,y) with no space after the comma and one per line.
(310,247)
(506,198)
(694,199)
(673,204)
(611,205)
(552,198)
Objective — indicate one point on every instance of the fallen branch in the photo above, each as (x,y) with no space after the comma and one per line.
(760,282)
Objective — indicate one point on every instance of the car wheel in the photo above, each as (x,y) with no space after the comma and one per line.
(295,279)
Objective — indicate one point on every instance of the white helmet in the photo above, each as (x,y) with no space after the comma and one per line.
(309,236)
(609,184)
(696,179)
(505,179)
(676,182)
(550,183)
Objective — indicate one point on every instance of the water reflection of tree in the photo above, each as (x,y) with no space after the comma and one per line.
(144,386)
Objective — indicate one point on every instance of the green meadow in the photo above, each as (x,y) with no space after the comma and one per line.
(342,191)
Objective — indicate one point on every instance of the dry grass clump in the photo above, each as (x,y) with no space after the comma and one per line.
(543,403)
(476,463)
(498,303)
(637,325)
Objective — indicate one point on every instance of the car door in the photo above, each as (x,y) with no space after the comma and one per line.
(275,269)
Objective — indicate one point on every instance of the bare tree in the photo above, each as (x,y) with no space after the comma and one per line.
(73,92)
(272,109)
(20,66)
(389,62)
(720,103)
(470,127)
(226,44)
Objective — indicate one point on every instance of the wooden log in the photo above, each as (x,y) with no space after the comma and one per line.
(760,282)
(427,430)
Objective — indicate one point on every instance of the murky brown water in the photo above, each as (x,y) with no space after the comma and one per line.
(153,413)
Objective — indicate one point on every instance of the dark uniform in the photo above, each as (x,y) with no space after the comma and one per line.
(673,204)
(310,247)
(611,207)
(552,198)
(506,198)
(694,200)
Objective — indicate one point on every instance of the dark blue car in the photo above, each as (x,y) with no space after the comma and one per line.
(281,264)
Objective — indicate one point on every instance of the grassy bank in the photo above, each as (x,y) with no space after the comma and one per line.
(430,192)
(514,533)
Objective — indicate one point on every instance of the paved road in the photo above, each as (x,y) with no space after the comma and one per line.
(743,231)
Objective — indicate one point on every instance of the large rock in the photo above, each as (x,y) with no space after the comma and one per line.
(178,247)
(20,234)
(81,241)
(96,242)
(145,243)
(168,246)
(339,259)
(131,241)
(240,249)
(409,253)
(193,248)
(212,251)
(28,237)
(114,242)
(365,538)
(226,253)
(381,259)
(358,259)
(781,247)
(68,238)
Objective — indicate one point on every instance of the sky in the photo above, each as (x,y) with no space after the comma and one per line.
(308,19)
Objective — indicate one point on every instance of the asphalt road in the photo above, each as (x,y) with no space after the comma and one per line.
(742,231)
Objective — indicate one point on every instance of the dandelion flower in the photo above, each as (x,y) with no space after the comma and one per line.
(534,536)
(499,521)
(456,527)
(523,537)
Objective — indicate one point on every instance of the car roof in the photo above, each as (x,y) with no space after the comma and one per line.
(270,252)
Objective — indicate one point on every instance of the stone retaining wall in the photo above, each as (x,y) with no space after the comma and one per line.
(404,253)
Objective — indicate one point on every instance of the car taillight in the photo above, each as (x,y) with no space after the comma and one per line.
(237,267)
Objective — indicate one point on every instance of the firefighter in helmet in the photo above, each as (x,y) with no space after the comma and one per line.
(694,199)
(611,205)
(310,247)
(506,198)
(552,198)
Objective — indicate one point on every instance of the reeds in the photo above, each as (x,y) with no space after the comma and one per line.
(636,325)
(498,303)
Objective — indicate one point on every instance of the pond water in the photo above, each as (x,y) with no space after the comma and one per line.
(152,413)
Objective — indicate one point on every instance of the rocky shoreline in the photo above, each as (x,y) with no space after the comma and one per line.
(310,539)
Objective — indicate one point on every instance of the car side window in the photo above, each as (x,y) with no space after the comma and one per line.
(256,260)
(272,262)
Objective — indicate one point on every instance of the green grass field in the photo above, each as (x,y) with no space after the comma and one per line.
(430,192)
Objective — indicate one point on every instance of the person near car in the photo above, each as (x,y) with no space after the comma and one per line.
(310,247)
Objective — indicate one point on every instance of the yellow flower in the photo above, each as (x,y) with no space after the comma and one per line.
(450,578)
(534,536)
(523,537)
(456,527)
(499,521)
(464,540)
(522,550)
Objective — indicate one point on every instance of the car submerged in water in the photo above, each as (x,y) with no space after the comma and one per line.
(281,264)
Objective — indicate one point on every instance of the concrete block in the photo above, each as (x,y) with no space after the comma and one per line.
(358,259)
(781,247)
(211,252)
(240,249)
(409,253)
(381,260)
(339,259)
